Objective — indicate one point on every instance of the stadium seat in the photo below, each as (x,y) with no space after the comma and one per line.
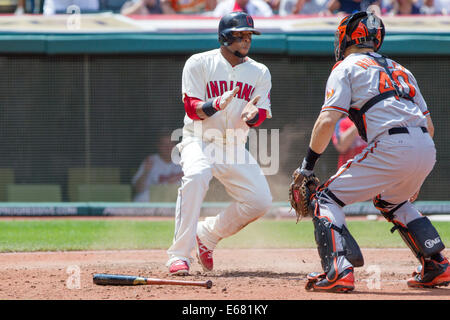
(34,193)
(93,175)
(104,192)
(6,177)
(164,192)
(111,5)
(8,6)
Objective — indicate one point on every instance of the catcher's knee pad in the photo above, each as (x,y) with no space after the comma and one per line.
(387,209)
(326,245)
(421,237)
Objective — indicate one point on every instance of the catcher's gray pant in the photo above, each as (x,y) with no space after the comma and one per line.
(392,168)
(243,180)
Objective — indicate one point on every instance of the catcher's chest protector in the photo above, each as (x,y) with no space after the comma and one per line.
(357,115)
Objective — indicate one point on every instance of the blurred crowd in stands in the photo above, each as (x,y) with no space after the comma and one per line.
(218,8)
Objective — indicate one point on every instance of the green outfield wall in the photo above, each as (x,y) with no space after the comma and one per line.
(277,43)
(99,101)
(279,210)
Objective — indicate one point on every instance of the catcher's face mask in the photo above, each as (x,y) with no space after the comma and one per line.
(358,29)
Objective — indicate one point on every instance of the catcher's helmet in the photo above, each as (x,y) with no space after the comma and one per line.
(235,21)
(362,28)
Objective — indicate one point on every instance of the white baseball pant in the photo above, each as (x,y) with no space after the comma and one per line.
(243,180)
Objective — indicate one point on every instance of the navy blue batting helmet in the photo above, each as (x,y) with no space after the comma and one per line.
(235,21)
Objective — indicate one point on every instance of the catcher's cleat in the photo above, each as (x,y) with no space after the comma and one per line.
(319,282)
(435,274)
(204,256)
(179,268)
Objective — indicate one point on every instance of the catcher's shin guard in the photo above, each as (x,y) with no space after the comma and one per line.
(419,235)
(324,233)
(425,243)
(424,236)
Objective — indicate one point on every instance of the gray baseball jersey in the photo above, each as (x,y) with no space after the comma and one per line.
(384,168)
(358,78)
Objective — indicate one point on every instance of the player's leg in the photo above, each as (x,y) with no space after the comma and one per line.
(195,184)
(424,241)
(338,250)
(416,230)
(247,185)
(358,180)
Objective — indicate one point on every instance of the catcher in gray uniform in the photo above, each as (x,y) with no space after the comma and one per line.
(383,99)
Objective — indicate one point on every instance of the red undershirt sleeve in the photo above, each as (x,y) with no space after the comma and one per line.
(190,106)
(262,115)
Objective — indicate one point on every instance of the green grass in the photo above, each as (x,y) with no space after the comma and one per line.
(287,234)
(62,235)
(66,235)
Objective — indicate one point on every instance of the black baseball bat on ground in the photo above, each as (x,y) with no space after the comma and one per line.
(124,280)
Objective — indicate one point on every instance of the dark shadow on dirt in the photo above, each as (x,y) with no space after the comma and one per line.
(434,292)
(260,274)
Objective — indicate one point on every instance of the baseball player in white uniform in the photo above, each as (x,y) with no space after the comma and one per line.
(224,94)
(156,169)
(383,99)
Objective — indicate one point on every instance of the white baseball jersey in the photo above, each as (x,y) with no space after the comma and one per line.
(160,169)
(358,78)
(208,75)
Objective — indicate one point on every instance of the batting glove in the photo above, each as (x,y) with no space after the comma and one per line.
(220,103)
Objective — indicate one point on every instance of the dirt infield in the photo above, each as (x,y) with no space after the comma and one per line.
(244,274)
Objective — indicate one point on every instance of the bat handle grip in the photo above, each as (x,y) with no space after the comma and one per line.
(108,279)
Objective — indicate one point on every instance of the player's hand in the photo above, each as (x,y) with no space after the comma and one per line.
(220,103)
(250,110)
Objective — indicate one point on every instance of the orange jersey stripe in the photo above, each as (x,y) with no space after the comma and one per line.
(364,156)
(335,108)
(337,63)
(338,174)
(367,152)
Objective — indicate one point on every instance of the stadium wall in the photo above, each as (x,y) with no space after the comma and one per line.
(99,100)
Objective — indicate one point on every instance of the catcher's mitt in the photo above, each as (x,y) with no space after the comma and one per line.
(301,192)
